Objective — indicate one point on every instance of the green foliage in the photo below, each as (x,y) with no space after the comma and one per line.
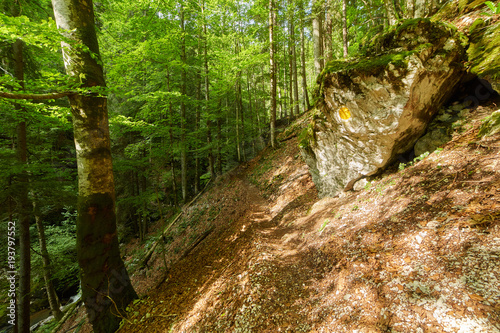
(323,226)
(402,166)
(494,9)
(61,246)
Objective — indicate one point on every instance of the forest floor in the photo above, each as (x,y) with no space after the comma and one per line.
(416,250)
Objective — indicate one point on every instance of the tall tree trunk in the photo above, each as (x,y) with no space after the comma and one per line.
(211,162)
(307,105)
(419,8)
(390,11)
(294,68)
(23,209)
(183,108)
(106,287)
(171,136)
(317,37)
(345,45)
(23,323)
(328,33)
(197,174)
(290,71)
(47,269)
(272,72)
(218,165)
(237,125)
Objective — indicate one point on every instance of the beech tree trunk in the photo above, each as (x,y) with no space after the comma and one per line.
(307,105)
(345,45)
(390,11)
(328,33)
(106,287)
(211,162)
(294,68)
(317,37)
(183,109)
(272,72)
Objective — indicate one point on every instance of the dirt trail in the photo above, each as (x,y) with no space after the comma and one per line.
(417,250)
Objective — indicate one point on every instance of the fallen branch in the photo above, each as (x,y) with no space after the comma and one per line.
(68,314)
(36,97)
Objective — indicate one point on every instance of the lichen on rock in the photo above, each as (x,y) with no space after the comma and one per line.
(376,108)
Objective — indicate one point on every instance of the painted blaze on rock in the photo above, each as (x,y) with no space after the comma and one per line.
(371,110)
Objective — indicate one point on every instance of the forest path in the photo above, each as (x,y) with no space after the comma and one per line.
(415,251)
(253,261)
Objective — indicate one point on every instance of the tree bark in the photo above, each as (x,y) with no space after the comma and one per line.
(317,37)
(328,33)
(47,269)
(294,67)
(390,11)
(106,286)
(307,105)
(23,306)
(22,200)
(211,161)
(183,108)
(345,45)
(272,72)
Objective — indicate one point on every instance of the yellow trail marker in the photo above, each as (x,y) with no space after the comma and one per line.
(344,113)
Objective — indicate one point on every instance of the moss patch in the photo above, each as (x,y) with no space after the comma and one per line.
(484,50)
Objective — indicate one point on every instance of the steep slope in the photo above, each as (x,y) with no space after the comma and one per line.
(415,251)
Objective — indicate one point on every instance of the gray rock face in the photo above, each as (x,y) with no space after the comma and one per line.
(373,110)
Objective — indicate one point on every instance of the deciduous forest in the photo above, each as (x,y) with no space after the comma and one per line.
(135,136)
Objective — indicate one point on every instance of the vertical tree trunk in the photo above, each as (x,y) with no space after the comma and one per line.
(47,269)
(183,108)
(290,70)
(197,174)
(410,8)
(317,37)
(23,204)
(390,11)
(307,105)
(171,136)
(328,33)
(345,45)
(294,68)
(419,9)
(106,287)
(23,209)
(272,72)
(237,125)
(211,162)
(218,165)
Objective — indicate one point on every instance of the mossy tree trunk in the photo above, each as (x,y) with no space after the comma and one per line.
(106,287)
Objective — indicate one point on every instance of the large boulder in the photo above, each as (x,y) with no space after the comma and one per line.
(370,111)
(484,50)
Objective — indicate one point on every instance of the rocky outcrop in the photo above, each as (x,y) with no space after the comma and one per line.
(372,110)
(484,50)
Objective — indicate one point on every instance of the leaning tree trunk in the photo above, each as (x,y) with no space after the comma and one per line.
(47,269)
(106,286)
